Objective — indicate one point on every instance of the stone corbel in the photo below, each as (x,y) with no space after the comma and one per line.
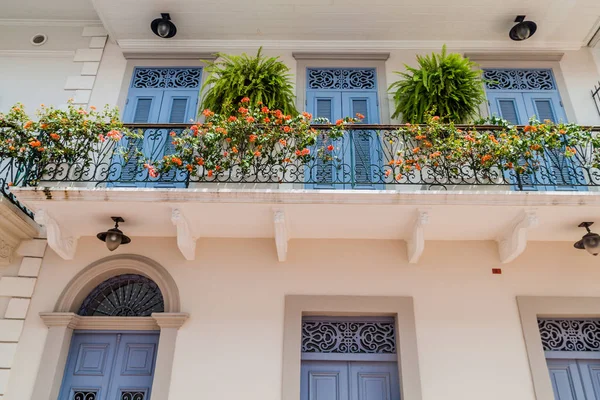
(281,234)
(416,243)
(513,241)
(185,240)
(7,249)
(63,246)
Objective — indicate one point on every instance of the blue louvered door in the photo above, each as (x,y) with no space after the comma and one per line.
(364,146)
(327,174)
(575,379)
(156,96)
(110,366)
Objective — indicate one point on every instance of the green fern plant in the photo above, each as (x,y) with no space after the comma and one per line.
(444,84)
(263,79)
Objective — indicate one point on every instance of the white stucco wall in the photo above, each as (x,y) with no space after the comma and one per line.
(470,341)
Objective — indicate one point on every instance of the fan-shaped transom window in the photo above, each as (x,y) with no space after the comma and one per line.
(124,296)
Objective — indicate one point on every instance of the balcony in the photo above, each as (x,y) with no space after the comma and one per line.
(367,157)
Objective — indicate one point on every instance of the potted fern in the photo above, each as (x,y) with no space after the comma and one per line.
(444,84)
(264,80)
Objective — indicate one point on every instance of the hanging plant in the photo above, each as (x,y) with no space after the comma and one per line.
(264,80)
(444,84)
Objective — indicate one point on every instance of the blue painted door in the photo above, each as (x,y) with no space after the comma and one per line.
(343,380)
(575,379)
(110,366)
(153,105)
(357,157)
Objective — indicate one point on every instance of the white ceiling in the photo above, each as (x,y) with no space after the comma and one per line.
(393,20)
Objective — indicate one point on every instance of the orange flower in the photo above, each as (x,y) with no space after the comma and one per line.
(305,152)
(530,128)
(252,138)
(207,113)
(93,108)
(416,150)
(200,161)
(249,119)
(176,160)
(287,117)
(264,110)
(228,140)
(562,131)
(232,119)
(242,110)
(435,154)
(287,159)
(493,139)
(54,136)
(189,167)
(10,184)
(194,128)
(40,149)
(209,173)
(35,143)
(418,167)
(360,116)
(28,125)
(287,129)
(469,138)
(486,158)
(173,134)
(535,147)
(278,113)
(218,167)
(283,142)
(398,177)
(509,165)
(245,100)
(43,126)
(388,172)
(298,153)
(225,154)
(267,120)
(339,122)
(101,137)
(435,118)
(234,150)
(330,147)
(307,115)
(257,153)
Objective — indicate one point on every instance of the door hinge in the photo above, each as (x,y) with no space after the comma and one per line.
(489,104)
(561,103)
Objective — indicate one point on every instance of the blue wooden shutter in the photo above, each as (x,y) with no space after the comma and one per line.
(566,380)
(374,381)
(143,106)
(590,377)
(364,147)
(509,106)
(561,171)
(324,380)
(325,104)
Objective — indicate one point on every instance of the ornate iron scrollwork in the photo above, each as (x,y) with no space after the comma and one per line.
(570,334)
(342,78)
(519,79)
(124,296)
(132,395)
(348,336)
(174,78)
(85,395)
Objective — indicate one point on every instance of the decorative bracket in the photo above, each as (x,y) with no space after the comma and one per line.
(63,246)
(281,234)
(416,243)
(513,242)
(185,241)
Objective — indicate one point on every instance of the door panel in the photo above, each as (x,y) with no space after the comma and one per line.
(326,104)
(509,106)
(324,380)
(105,366)
(374,381)
(590,376)
(365,151)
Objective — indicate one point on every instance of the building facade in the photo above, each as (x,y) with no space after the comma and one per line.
(293,290)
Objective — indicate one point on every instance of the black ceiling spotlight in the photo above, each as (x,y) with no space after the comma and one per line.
(163,27)
(590,241)
(523,29)
(114,237)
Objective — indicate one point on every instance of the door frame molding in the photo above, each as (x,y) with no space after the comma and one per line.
(63,321)
(533,307)
(402,308)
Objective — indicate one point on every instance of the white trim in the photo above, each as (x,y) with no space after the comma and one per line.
(515,56)
(185,239)
(416,243)
(513,241)
(37,53)
(64,246)
(340,56)
(28,195)
(166,55)
(175,45)
(281,233)
(49,22)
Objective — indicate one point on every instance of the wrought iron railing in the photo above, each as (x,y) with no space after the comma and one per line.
(596,96)
(8,174)
(361,161)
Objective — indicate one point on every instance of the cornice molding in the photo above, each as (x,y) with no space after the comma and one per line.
(38,53)
(516,56)
(187,45)
(340,56)
(74,321)
(168,55)
(15,227)
(170,320)
(49,22)
(30,195)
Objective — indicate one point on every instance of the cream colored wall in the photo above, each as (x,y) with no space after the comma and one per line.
(469,336)
(11,269)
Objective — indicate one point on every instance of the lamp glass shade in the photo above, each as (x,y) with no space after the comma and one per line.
(591,243)
(523,31)
(163,29)
(114,238)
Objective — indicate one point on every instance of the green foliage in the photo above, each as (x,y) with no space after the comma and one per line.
(445,84)
(265,80)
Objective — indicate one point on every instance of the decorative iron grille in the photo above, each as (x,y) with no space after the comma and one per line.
(596,96)
(133,395)
(124,296)
(348,336)
(85,395)
(174,78)
(570,334)
(519,79)
(342,78)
